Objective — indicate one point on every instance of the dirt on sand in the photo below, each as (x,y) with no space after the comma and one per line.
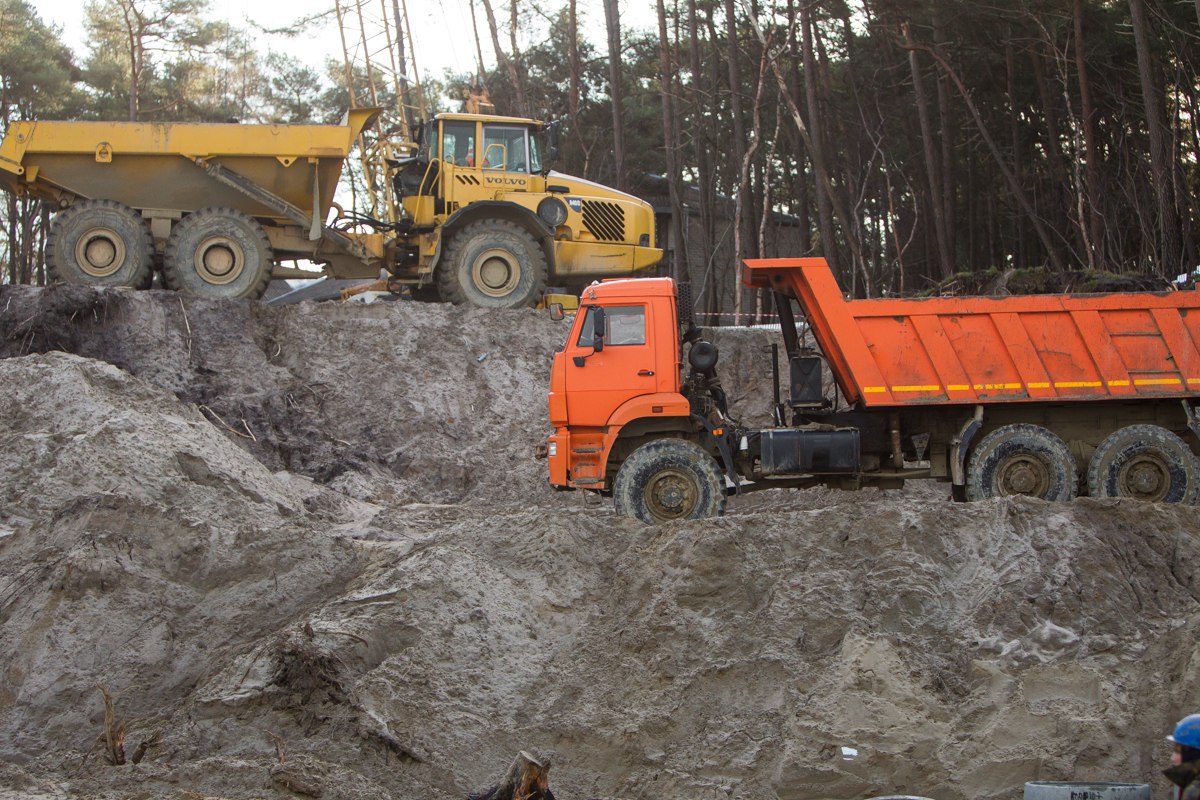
(310,552)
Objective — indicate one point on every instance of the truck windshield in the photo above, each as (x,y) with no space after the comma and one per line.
(504,148)
(458,142)
(624,325)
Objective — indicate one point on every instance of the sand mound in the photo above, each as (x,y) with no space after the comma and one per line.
(310,549)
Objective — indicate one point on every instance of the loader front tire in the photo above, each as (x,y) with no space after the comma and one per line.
(1021,459)
(218,253)
(493,264)
(669,479)
(1144,462)
(100,243)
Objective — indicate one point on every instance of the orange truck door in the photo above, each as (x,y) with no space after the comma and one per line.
(625,368)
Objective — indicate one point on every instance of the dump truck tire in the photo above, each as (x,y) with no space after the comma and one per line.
(493,264)
(220,253)
(669,479)
(1021,460)
(1144,462)
(100,243)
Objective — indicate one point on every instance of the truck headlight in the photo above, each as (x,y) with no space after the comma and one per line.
(644,241)
(552,211)
(552,450)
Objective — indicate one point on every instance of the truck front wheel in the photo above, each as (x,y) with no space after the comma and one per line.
(101,243)
(1144,462)
(218,252)
(1021,460)
(669,479)
(493,264)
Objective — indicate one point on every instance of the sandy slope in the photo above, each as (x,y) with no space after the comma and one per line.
(326,524)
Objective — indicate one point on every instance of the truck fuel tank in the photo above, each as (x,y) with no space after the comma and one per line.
(805,451)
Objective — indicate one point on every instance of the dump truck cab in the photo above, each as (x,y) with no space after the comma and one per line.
(488,223)
(617,383)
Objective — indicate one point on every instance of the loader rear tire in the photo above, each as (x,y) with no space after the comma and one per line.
(1144,462)
(669,479)
(1021,459)
(218,253)
(493,264)
(100,243)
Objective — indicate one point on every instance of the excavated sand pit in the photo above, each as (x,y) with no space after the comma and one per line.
(311,549)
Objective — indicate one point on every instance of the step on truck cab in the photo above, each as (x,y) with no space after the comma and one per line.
(1047,396)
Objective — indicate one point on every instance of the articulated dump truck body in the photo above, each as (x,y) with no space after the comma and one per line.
(989,350)
(281,176)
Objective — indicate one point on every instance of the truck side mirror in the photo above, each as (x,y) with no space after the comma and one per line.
(597,316)
(552,141)
(598,327)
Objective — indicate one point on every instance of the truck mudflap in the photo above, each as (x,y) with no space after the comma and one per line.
(723,436)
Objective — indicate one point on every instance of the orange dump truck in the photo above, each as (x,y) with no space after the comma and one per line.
(1045,395)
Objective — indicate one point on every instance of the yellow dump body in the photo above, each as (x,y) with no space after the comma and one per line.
(284,176)
(148,165)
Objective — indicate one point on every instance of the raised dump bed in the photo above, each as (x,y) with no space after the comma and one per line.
(218,205)
(987,350)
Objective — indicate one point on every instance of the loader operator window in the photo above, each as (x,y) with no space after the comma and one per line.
(624,325)
(458,143)
(510,154)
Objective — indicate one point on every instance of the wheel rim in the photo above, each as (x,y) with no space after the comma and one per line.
(671,494)
(1023,474)
(100,252)
(1144,478)
(219,260)
(495,272)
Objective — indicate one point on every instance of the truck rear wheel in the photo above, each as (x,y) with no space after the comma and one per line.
(1021,460)
(101,243)
(669,479)
(493,264)
(1144,462)
(218,252)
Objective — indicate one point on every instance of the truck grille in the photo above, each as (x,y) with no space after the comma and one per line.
(606,221)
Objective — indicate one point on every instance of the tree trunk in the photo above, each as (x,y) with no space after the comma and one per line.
(515,63)
(1161,161)
(947,172)
(1087,117)
(481,73)
(573,60)
(670,146)
(1020,260)
(816,143)
(1013,185)
(824,183)
(738,153)
(612,22)
(502,60)
(741,195)
(933,178)
(705,190)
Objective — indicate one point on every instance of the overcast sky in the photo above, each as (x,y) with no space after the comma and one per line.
(441,28)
